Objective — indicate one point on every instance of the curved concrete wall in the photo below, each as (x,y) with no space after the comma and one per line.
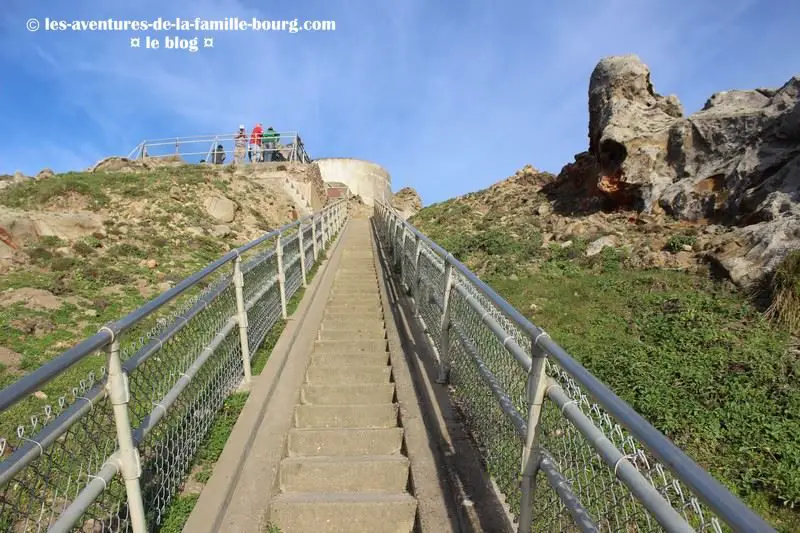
(364,178)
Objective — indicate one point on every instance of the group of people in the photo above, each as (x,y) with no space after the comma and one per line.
(262,144)
(260,148)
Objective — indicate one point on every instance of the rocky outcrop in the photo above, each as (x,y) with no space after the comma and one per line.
(19,228)
(736,162)
(407,202)
(123,164)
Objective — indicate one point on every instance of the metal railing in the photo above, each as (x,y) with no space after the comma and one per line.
(224,149)
(169,365)
(565,451)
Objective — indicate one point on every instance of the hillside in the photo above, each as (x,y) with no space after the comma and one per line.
(83,248)
(685,306)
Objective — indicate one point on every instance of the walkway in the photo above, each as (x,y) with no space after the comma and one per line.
(345,469)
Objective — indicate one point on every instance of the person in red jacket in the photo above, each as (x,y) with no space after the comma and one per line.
(255,144)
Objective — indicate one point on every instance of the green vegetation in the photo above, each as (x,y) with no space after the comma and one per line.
(695,357)
(677,242)
(208,454)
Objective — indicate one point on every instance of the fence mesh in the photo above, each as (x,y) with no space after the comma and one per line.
(480,362)
(54,453)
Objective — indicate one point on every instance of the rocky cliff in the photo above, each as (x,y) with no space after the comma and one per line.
(735,163)
(407,202)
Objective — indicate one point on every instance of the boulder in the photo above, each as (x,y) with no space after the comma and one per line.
(221,208)
(597,246)
(407,202)
(736,162)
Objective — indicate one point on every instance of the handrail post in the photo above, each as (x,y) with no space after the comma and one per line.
(130,465)
(314,237)
(143,150)
(530,454)
(402,256)
(281,275)
(415,283)
(324,230)
(444,340)
(302,253)
(238,283)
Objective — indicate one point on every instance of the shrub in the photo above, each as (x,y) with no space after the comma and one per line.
(784,292)
(677,242)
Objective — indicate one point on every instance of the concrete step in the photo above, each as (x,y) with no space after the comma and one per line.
(357,298)
(349,334)
(350,346)
(362,285)
(328,374)
(375,473)
(353,308)
(378,359)
(347,394)
(370,326)
(347,441)
(303,512)
(354,318)
(380,415)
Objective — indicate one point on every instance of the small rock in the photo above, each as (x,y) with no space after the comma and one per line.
(90,312)
(39,395)
(687,247)
(175,193)
(544,209)
(609,241)
(164,286)
(160,276)
(534,308)
(513,277)
(566,244)
(151,263)
(219,231)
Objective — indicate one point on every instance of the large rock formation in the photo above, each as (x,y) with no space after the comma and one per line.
(407,202)
(736,162)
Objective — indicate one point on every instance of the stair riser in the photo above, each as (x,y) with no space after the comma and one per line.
(377,416)
(379,475)
(349,442)
(342,335)
(348,325)
(376,359)
(342,395)
(328,374)
(352,346)
(354,317)
(336,517)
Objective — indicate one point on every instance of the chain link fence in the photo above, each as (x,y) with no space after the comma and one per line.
(564,451)
(181,355)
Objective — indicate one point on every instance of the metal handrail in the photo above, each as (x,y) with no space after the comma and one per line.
(718,498)
(113,390)
(29,383)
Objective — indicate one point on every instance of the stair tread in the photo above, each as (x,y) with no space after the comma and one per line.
(345,497)
(354,459)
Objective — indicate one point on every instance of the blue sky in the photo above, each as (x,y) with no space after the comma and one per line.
(449,96)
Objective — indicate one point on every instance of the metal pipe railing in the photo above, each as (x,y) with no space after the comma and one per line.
(725,505)
(116,387)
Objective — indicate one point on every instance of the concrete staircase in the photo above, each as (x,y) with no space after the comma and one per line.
(345,470)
